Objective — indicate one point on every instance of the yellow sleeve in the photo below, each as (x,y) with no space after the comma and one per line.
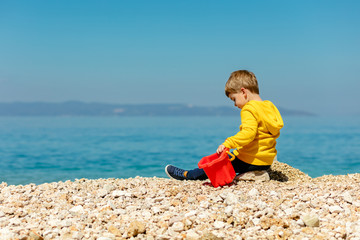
(247,133)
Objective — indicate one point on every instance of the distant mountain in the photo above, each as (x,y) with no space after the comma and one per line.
(76,108)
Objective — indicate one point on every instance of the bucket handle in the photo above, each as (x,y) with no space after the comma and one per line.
(232,155)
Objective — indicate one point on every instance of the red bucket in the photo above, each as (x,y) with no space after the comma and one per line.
(218,168)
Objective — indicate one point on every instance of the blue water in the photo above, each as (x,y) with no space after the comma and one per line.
(48,149)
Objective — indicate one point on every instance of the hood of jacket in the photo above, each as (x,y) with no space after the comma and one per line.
(269,114)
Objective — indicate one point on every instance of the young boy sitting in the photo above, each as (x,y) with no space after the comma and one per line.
(255,143)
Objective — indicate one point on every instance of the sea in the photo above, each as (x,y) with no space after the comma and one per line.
(51,149)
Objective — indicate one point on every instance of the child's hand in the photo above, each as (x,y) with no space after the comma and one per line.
(220,149)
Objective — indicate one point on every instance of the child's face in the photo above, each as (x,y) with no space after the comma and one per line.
(238,98)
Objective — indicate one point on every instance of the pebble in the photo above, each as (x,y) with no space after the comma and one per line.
(192,235)
(178,227)
(76,210)
(219,224)
(253,192)
(300,222)
(290,205)
(347,197)
(335,209)
(258,176)
(231,199)
(311,220)
(102,193)
(136,228)
(191,213)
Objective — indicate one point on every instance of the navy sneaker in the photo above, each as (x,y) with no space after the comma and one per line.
(175,173)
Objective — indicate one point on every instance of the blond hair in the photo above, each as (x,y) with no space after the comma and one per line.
(241,79)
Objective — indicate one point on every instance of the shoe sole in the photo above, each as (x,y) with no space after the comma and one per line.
(168,173)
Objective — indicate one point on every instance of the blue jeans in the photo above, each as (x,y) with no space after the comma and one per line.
(239,167)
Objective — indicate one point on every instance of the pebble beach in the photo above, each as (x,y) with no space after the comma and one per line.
(291,205)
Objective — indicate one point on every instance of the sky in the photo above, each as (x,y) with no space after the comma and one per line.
(305,54)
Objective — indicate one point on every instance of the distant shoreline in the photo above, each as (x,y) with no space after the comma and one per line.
(77,108)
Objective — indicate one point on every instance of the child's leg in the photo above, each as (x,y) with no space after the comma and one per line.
(181,174)
(199,174)
(239,167)
(243,167)
(196,174)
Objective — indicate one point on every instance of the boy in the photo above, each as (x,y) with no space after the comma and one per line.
(255,143)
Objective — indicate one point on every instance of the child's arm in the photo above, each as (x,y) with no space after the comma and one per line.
(247,133)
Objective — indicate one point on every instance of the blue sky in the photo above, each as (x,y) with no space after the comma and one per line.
(305,54)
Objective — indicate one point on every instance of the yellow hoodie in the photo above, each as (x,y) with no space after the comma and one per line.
(255,142)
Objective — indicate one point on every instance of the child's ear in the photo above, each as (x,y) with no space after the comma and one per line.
(244,92)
